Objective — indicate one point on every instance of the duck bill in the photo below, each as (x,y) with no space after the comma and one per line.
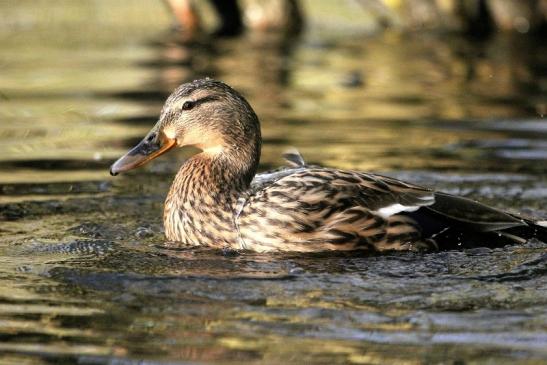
(145,151)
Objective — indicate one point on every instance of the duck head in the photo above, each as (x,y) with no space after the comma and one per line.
(206,114)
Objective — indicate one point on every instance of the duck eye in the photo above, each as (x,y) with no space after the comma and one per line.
(188,105)
(151,137)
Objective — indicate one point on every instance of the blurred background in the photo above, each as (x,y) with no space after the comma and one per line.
(81,81)
(445,93)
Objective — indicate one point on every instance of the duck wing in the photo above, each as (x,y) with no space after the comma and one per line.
(472,214)
(454,222)
(457,222)
(310,208)
(314,208)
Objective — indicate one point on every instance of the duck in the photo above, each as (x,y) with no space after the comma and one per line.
(217,198)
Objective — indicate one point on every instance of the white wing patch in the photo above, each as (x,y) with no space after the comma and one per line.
(393,209)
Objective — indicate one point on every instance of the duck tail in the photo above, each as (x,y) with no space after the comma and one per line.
(294,158)
(532,229)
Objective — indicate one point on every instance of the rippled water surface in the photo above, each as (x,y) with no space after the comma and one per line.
(85,275)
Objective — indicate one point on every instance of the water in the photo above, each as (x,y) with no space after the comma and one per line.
(86,277)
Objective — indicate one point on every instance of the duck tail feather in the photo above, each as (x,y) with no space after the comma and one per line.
(533,228)
(294,158)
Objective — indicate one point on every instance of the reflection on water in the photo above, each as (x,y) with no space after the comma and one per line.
(85,275)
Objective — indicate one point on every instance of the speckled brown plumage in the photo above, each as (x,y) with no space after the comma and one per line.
(218,200)
(317,209)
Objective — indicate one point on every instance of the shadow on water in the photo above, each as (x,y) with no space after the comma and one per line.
(87,277)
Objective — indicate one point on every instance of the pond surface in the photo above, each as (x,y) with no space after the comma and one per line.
(85,275)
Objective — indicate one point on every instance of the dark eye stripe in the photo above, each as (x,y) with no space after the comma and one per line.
(206,99)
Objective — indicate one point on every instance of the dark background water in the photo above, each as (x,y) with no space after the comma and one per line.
(84,273)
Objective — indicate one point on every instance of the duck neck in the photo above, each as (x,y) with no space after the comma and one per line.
(215,176)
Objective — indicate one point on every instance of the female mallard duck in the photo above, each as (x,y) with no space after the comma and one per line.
(218,200)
